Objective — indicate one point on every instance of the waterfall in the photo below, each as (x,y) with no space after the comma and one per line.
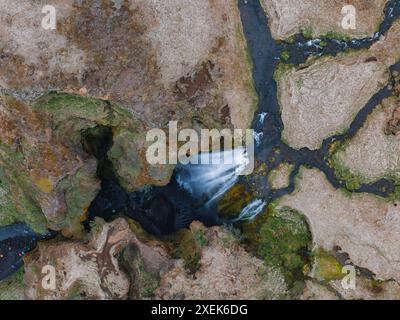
(251,211)
(214,174)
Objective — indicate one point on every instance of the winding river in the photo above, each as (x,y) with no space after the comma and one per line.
(178,206)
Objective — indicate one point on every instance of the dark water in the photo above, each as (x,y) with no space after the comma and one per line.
(265,53)
(302,48)
(167,209)
(15,241)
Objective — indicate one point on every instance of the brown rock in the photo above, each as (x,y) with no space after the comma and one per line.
(90,269)
(320,17)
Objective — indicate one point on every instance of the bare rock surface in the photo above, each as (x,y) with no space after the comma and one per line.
(321,17)
(155,58)
(317,291)
(39,173)
(364,226)
(226,271)
(368,289)
(90,269)
(118,261)
(322,97)
(280,177)
(147,62)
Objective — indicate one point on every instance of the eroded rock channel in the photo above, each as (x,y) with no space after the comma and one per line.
(320,101)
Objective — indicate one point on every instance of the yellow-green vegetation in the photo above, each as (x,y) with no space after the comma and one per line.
(285,55)
(12,288)
(285,241)
(146,282)
(17,193)
(189,245)
(65,118)
(352,181)
(326,266)
(307,32)
(234,201)
(323,43)
(337,36)
(291,39)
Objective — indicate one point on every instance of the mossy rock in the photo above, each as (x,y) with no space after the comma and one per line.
(326,266)
(251,231)
(234,201)
(189,244)
(285,240)
(12,288)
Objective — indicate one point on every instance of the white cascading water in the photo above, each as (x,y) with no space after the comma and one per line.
(214,174)
(251,211)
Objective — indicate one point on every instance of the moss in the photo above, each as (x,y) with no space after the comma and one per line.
(249,62)
(323,43)
(281,70)
(76,293)
(45,185)
(307,32)
(68,116)
(80,190)
(188,247)
(148,284)
(291,39)
(12,288)
(375,286)
(352,180)
(64,106)
(326,266)
(285,56)
(251,231)
(395,196)
(200,238)
(17,193)
(285,240)
(337,36)
(234,201)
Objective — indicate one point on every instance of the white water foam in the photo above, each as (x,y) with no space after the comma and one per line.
(215,174)
(251,211)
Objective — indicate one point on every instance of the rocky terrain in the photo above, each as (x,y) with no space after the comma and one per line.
(129,57)
(380,140)
(362,225)
(332,90)
(76,103)
(91,269)
(280,177)
(289,17)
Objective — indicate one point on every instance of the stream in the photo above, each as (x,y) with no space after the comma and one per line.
(164,210)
